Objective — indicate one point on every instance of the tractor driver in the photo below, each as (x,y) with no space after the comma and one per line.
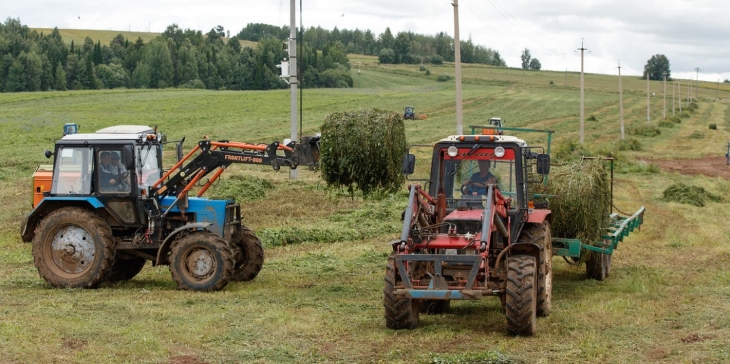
(111,173)
(479,181)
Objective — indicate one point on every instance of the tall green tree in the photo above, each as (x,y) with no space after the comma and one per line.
(525,57)
(657,66)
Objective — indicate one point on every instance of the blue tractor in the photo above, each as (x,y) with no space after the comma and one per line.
(107,206)
(409,113)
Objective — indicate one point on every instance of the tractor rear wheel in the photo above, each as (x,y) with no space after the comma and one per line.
(201,261)
(521,295)
(400,313)
(73,248)
(540,235)
(125,269)
(249,254)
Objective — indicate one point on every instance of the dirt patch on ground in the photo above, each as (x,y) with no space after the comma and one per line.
(707,166)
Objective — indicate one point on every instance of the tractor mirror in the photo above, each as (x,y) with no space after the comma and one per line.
(543,164)
(48,153)
(409,163)
(128,157)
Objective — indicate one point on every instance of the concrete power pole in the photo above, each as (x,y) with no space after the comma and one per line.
(457,70)
(664,112)
(582,99)
(679,95)
(697,82)
(674,86)
(621,100)
(648,110)
(293,77)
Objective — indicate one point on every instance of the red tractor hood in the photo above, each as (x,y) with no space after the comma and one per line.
(462,215)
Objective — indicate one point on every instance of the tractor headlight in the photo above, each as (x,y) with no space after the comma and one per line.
(499,152)
(452,151)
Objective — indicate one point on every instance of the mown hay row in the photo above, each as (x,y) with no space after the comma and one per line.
(582,200)
(690,195)
(363,149)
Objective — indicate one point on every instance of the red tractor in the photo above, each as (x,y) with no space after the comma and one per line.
(478,229)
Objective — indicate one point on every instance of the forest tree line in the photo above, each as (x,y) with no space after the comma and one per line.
(32,61)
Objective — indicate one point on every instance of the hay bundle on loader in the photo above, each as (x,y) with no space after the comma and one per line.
(363,149)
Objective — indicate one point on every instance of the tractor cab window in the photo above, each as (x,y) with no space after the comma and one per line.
(72,171)
(466,179)
(148,165)
(113,176)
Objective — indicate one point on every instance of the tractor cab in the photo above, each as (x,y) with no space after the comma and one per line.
(409,113)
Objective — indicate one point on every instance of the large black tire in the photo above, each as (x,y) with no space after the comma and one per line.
(521,296)
(541,235)
(125,269)
(73,248)
(201,261)
(400,313)
(435,307)
(598,265)
(249,255)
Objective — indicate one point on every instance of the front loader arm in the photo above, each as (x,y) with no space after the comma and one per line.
(209,156)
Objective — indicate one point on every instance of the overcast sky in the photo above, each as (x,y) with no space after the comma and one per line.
(691,33)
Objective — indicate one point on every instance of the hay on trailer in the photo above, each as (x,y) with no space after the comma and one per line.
(582,200)
(363,150)
(690,195)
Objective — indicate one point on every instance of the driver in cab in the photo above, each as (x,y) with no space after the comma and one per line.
(479,181)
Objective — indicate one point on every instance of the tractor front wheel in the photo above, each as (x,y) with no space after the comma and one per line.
(540,235)
(201,261)
(400,313)
(73,248)
(521,295)
(249,254)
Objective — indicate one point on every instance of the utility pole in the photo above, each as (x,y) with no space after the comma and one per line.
(697,82)
(582,100)
(621,100)
(674,86)
(648,110)
(664,113)
(457,69)
(293,77)
(717,88)
(679,95)
(689,92)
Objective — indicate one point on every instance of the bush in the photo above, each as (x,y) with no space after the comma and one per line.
(196,84)
(684,115)
(437,60)
(697,135)
(428,73)
(630,144)
(551,82)
(713,126)
(422,68)
(592,118)
(666,124)
(645,130)
(444,78)
(363,150)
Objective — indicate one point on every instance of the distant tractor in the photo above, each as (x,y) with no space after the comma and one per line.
(70,128)
(476,229)
(106,206)
(409,113)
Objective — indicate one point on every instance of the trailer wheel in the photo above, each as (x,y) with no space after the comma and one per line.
(125,269)
(201,261)
(400,313)
(598,265)
(521,296)
(73,248)
(249,254)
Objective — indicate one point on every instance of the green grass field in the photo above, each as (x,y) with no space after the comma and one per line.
(319,295)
